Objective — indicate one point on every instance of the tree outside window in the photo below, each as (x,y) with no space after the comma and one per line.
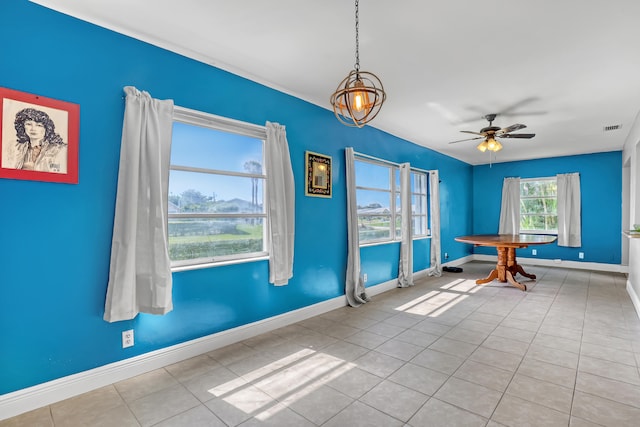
(539,206)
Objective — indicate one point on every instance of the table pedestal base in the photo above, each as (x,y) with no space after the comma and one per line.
(506,269)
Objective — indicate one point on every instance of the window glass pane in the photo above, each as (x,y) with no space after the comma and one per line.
(418,204)
(200,147)
(546,187)
(541,205)
(539,222)
(374,227)
(418,183)
(551,222)
(538,205)
(419,228)
(193,238)
(196,192)
(372,175)
(373,202)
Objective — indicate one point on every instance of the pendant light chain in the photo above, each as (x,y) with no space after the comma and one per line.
(360,95)
(357,66)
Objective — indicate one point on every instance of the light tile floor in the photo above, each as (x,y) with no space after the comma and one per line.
(442,353)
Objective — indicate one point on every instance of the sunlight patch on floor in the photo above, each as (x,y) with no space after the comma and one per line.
(435,303)
(458,299)
(417,301)
(452,284)
(277,365)
(468,286)
(260,393)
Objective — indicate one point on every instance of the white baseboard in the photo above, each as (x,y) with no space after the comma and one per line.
(381,287)
(463,260)
(612,268)
(28,399)
(20,401)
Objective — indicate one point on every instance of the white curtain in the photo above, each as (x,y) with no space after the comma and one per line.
(281,204)
(354,285)
(569,225)
(405,266)
(140,272)
(435,268)
(510,208)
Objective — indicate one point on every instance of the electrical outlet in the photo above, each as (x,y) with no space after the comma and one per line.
(581,255)
(446,255)
(534,252)
(364,277)
(127,338)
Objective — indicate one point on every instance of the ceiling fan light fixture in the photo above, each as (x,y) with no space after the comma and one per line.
(489,134)
(493,145)
(360,95)
(490,144)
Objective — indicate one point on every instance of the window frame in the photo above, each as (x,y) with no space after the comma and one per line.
(425,205)
(392,200)
(394,194)
(538,231)
(223,124)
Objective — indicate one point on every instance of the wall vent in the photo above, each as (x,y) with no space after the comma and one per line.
(611,127)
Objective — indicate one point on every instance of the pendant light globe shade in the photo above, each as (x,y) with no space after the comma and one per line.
(358,98)
(490,144)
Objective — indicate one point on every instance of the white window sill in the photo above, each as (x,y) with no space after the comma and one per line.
(217,264)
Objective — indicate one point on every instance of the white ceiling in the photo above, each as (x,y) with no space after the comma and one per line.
(565,68)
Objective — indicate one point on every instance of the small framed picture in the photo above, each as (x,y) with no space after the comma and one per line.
(318,167)
(38,138)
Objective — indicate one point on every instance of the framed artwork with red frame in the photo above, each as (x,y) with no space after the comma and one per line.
(38,138)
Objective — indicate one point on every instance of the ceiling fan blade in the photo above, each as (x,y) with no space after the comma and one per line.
(517,135)
(525,113)
(475,133)
(511,128)
(511,109)
(469,139)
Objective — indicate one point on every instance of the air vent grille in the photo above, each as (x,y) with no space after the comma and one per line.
(611,127)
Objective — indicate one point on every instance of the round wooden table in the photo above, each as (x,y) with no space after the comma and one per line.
(506,244)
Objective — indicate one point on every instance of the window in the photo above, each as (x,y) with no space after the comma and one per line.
(377,216)
(419,204)
(539,206)
(378,200)
(216,191)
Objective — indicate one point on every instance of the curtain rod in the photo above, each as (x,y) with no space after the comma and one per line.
(367,156)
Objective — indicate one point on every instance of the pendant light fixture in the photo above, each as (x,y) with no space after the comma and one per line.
(490,144)
(360,95)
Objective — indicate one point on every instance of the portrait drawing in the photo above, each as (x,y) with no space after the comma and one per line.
(39,138)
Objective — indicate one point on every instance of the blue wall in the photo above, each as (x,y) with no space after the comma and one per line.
(55,239)
(601,190)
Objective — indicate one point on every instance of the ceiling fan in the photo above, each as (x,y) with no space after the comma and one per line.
(490,133)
